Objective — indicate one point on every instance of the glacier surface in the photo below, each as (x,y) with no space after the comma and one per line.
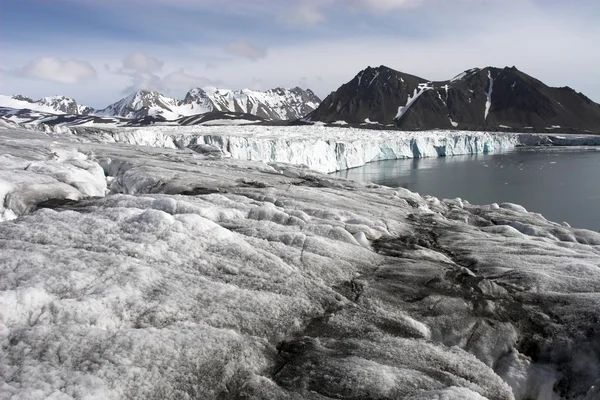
(132,272)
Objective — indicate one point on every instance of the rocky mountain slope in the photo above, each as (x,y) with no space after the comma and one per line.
(477,99)
(146,107)
(143,103)
(275,104)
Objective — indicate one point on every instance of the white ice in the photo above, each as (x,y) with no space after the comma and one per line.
(198,276)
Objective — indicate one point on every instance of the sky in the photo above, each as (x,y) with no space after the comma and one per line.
(99,51)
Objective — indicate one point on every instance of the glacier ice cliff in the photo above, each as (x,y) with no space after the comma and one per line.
(325,149)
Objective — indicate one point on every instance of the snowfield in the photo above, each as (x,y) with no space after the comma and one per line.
(134,272)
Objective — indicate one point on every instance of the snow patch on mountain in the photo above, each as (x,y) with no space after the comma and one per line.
(488,94)
(464,74)
(422,88)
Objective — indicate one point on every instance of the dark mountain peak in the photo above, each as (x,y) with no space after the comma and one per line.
(477,99)
(146,93)
(194,95)
(385,78)
(63,104)
(22,98)
(298,89)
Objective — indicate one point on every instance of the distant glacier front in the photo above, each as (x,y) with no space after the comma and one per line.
(324,149)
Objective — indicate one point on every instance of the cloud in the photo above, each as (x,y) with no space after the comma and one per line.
(183,80)
(379,6)
(54,69)
(141,69)
(304,14)
(245,49)
(143,81)
(140,62)
(310,13)
(143,72)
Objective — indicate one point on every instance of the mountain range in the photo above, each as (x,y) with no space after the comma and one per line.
(144,105)
(477,99)
(488,99)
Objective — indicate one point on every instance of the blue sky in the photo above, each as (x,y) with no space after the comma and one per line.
(97,51)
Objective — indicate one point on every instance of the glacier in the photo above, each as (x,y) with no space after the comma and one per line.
(321,148)
(130,271)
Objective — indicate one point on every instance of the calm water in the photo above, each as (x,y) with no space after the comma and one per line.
(563,184)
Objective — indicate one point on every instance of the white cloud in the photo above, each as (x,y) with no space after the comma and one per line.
(245,49)
(183,80)
(57,70)
(143,81)
(386,5)
(304,14)
(308,13)
(141,69)
(141,62)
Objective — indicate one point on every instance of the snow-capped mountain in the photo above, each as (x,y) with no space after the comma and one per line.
(51,104)
(488,98)
(143,103)
(274,104)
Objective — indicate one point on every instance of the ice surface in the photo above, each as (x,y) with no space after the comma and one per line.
(199,276)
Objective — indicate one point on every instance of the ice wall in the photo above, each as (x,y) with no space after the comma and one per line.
(326,152)
(328,149)
(332,155)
